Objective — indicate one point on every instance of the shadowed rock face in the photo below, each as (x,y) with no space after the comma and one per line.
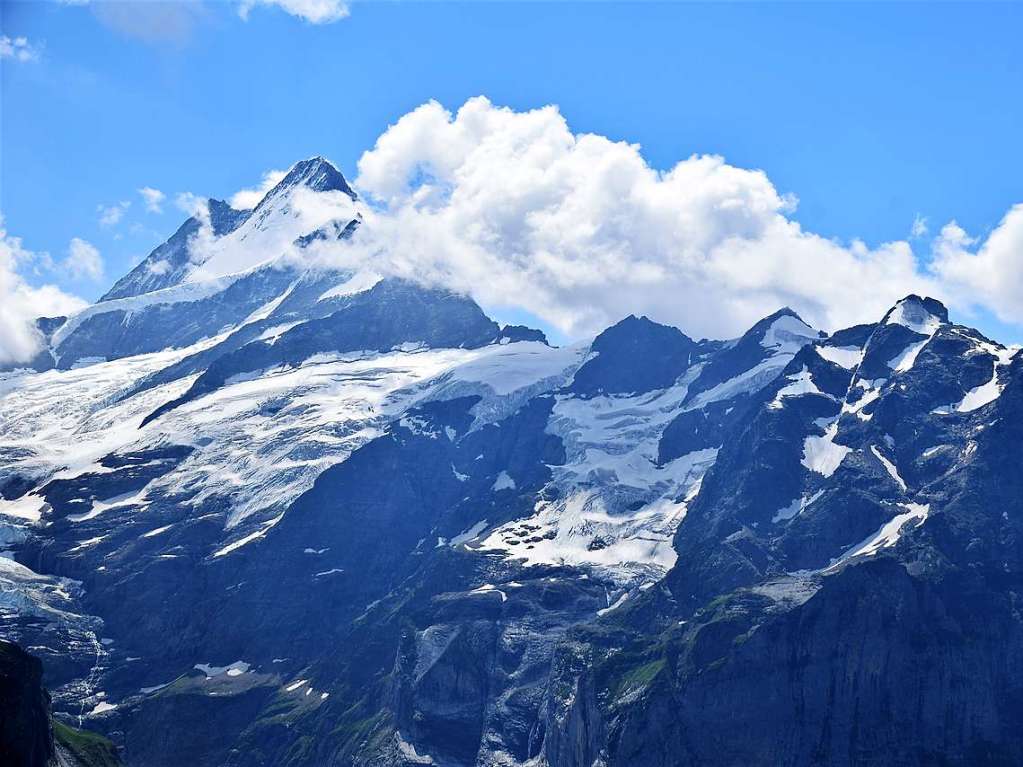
(663,353)
(168,264)
(29,737)
(25,737)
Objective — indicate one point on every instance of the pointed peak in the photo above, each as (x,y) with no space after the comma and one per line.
(783,331)
(634,326)
(316,173)
(921,315)
(770,319)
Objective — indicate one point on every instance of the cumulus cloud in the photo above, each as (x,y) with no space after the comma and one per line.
(249,198)
(109,215)
(986,274)
(153,199)
(17,49)
(83,260)
(21,303)
(311,11)
(516,209)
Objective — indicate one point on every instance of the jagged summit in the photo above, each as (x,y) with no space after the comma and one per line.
(170,262)
(634,355)
(316,173)
(921,315)
(177,260)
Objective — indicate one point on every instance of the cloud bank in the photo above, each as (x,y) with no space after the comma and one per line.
(519,211)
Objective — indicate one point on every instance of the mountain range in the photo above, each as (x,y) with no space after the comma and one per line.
(260,509)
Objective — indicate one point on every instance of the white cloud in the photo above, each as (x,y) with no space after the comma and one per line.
(17,49)
(190,203)
(579,230)
(21,303)
(985,274)
(312,11)
(919,227)
(109,215)
(249,198)
(83,260)
(153,199)
(518,211)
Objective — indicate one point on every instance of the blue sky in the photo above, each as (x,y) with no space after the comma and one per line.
(872,114)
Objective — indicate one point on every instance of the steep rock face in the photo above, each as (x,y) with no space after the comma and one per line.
(392,313)
(25,737)
(839,680)
(872,620)
(222,267)
(665,351)
(171,261)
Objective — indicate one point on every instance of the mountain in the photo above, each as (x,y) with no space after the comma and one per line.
(265,512)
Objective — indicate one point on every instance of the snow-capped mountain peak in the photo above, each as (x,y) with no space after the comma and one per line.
(921,315)
(316,173)
(785,332)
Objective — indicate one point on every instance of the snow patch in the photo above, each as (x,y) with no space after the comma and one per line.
(911,314)
(503,482)
(30,507)
(357,283)
(796,507)
(788,334)
(888,534)
(889,467)
(848,357)
(904,360)
(249,538)
(469,535)
(237,668)
(822,454)
(799,384)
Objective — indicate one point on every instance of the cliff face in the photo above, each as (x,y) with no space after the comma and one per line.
(29,737)
(25,737)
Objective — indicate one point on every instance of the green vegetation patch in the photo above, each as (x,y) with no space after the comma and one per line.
(88,748)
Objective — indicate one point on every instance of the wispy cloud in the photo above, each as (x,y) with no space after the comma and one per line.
(17,49)
(109,215)
(919,227)
(84,260)
(170,22)
(153,199)
(311,11)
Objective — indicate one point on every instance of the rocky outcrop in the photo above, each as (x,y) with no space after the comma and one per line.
(25,736)
(29,737)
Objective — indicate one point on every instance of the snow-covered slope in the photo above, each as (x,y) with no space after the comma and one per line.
(351,520)
(218,269)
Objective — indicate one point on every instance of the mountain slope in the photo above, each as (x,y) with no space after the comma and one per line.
(264,512)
